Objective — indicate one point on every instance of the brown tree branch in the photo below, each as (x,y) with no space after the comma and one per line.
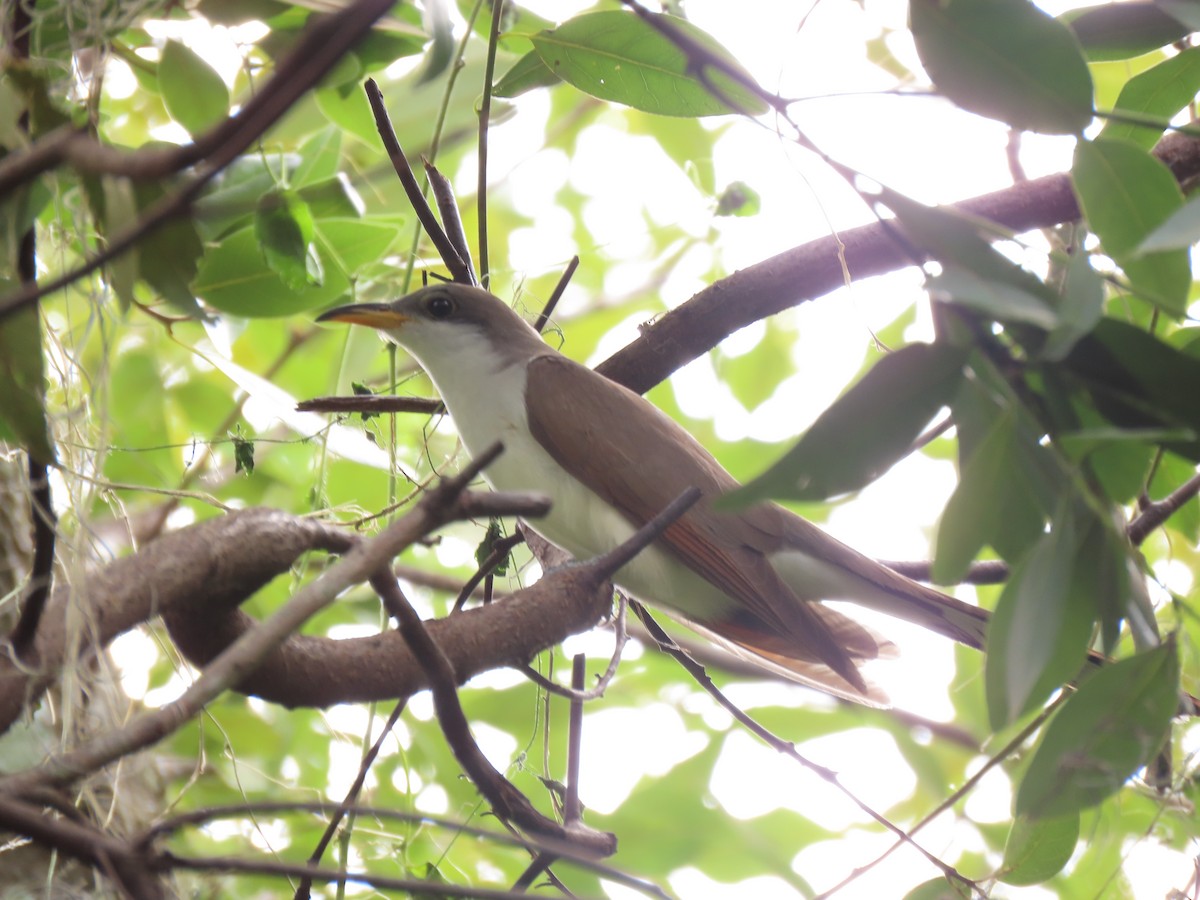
(209,814)
(84,842)
(440,505)
(816,268)
(1155,513)
(506,801)
(371,404)
(458,267)
(223,560)
(590,579)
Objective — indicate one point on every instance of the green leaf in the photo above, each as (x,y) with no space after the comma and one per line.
(22,384)
(441,48)
(1138,382)
(283,227)
(320,157)
(1124,30)
(233,278)
(1008,61)
(18,211)
(120,212)
(617,56)
(1080,307)
(866,430)
(1160,93)
(193,92)
(380,48)
(1120,459)
(1037,849)
(44,106)
(745,373)
(939,889)
(243,454)
(349,112)
(230,201)
(995,299)
(527,73)
(1180,231)
(1125,194)
(1039,633)
(491,536)
(1172,471)
(1185,11)
(1110,728)
(974,273)
(334,198)
(1005,471)
(168,255)
(739,199)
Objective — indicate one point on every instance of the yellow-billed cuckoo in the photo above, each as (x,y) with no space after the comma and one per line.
(610,460)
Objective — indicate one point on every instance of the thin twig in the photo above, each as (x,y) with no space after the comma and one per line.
(260,866)
(1155,513)
(541,863)
(785,747)
(563,281)
(304,889)
(572,808)
(443,193)
(41,507)
(485,116)
(457,266)
(202,816)
(506,801)
(621,636)
(499,552)
(1000,756)
(372,404)
(987,571)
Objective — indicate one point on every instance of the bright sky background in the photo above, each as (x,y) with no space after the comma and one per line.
(918,145)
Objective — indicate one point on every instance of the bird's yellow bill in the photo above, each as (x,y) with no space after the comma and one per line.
(373,315)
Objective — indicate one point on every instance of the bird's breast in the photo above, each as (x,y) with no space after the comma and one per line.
(580,521)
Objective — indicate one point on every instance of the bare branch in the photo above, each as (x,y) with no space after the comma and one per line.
(1155,513)
(457,266)
(506,801)
(371,404)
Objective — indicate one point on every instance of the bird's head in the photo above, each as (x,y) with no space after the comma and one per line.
(444,323)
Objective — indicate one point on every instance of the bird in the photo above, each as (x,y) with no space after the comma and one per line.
(753,580)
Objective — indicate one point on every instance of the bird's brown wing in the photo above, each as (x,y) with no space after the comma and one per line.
(651,463)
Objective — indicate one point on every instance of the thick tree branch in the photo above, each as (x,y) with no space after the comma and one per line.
(222,560)
(816,268)
(247,652)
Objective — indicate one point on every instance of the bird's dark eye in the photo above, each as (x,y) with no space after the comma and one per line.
(440,306)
